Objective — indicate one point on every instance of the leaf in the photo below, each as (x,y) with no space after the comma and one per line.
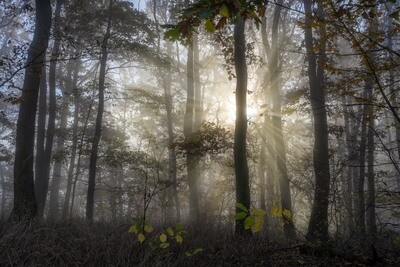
(141,237)
(164,245)
(170,231)
(179,239)
(249,222)
(163,237)
(287,214)
(210,26)
(395,15)
(276,211)
(148,229)
(257,224)
(133,229)
(178,227)
(187,253)
(242,207)
(197,250)
(240,216)
(224,11)
(258,212)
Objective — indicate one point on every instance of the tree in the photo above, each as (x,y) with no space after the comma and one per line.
(24,192)
(318,225)
(43,159)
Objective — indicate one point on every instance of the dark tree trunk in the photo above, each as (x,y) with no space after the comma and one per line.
(40,162)
(318,225)
(371,215)
(43,173)
(98,126)
(239,149)
(24,192)
(3,194)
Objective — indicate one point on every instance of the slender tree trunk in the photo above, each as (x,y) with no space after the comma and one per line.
(318,225)
(352,160)
(171,137)
(3,194)
(40,163)
(261,175)
(62,132)
(371,216)
(98,126)
(280,149)
(24,191)
(239,149)
(188,133)
(71,166)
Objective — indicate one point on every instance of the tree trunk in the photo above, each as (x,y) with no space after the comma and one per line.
(98,126)
(318,225)
(71,166)
(3,194)
(43,174)
(239,149)
(40,162)
(371,216)
(24,192)
(280,149)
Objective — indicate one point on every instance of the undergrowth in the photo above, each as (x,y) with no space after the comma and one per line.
(78,243)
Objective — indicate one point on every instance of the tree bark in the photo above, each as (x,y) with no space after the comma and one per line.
(43,173)
(280,149)
(239,149)
(98,125)
(318,225)
(71,166)
(24,193)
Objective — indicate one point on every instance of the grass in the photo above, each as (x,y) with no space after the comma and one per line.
(78,243)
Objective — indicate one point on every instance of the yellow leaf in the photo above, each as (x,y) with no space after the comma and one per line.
(133,229)
(286,213)
(257,224)
(258,212)
(276,211)
(141,237)
(210,26)
(249,222)
(163,237)
(148,229)
(170,231)
(179,239)
(187,253)
(224,11)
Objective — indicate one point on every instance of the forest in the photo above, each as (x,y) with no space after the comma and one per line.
(199,133)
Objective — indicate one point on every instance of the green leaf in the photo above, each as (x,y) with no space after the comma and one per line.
(187,253)
(172,34)
(179,239)
(206,14)
(224,11)
(240,215)
(178,227)
(163,238)
(170,231)
(242,207)
(210,26)
(141,237)
(164,245)
(258,212)
(249,222)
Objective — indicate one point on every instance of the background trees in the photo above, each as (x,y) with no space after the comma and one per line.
(180,110)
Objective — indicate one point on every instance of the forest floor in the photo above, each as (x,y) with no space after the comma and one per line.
(81,244)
